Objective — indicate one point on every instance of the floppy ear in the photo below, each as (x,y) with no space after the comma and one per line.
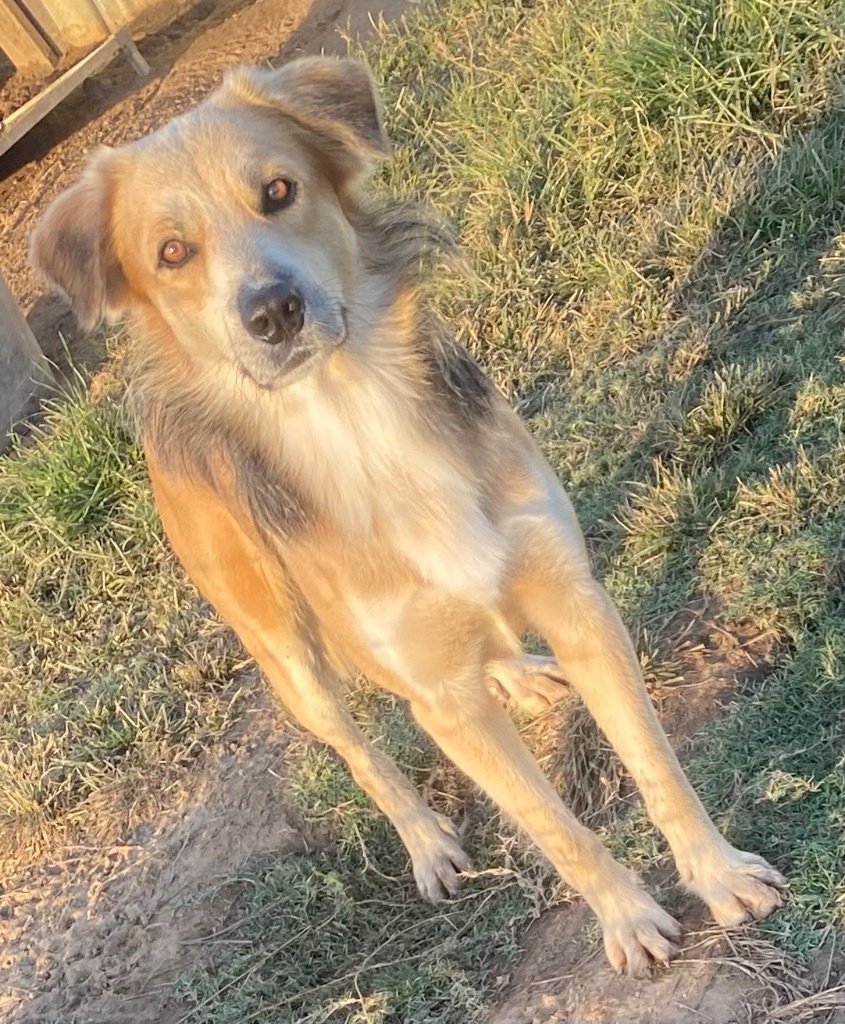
(333,98)
(72,245)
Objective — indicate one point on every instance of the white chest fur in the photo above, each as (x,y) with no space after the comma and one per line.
(370,470)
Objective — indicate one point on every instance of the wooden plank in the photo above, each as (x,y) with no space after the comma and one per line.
(101,14)
(23,368)
(23,44)
(17,124)
(136,59)
(40,16)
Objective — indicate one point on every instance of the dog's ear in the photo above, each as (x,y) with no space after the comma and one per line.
(72,246)
(333,98)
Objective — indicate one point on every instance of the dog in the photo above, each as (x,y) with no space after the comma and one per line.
(348,490)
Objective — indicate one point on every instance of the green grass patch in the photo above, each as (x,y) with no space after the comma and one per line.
(110,672)
(651,197)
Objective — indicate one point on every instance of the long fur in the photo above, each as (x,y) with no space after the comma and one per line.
(384,510)
(196,428)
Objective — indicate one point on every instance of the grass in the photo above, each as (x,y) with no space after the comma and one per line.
(111,674)
(651,195)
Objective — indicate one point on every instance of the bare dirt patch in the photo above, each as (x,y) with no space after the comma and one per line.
(713,663)
(99,934)
(719,978)
(564,978)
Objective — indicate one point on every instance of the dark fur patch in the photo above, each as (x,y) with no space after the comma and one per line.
(399,240)
(455,377)
(191,436)
(402,241)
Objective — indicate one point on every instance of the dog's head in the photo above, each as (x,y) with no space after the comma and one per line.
(229,225)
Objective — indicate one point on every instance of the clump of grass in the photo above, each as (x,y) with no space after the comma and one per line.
(670,515)
(733,398)
(774,773)
(109,671)
(730,62)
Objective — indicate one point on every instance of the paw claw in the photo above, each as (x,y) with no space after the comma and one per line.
(644,936)
(438,859)
(736,886)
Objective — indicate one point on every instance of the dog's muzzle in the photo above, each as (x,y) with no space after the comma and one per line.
(273,314)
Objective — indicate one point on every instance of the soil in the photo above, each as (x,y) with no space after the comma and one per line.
(563,978)
(97,933)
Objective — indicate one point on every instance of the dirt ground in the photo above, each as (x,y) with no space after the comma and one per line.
(97,934)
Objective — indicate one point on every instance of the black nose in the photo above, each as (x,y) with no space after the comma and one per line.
(273,314)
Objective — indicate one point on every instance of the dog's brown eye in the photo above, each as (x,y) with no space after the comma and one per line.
(174,253)
(278,194)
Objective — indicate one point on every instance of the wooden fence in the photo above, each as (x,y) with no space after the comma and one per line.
(36,34)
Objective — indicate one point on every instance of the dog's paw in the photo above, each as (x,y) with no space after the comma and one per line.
(640,936)
(438,858)
(736,886)
(530,681)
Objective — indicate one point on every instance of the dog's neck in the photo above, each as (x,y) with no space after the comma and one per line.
(383,450)
(375,431)
(381,421)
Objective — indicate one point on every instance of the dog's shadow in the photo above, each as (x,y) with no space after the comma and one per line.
(766,308)
(765,300)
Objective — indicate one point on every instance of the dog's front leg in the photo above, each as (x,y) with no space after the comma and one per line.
(249,589)
(472,728)
(559,597)
(445,647)
(311,694)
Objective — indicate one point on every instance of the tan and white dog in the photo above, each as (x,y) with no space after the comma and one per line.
(348,490)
